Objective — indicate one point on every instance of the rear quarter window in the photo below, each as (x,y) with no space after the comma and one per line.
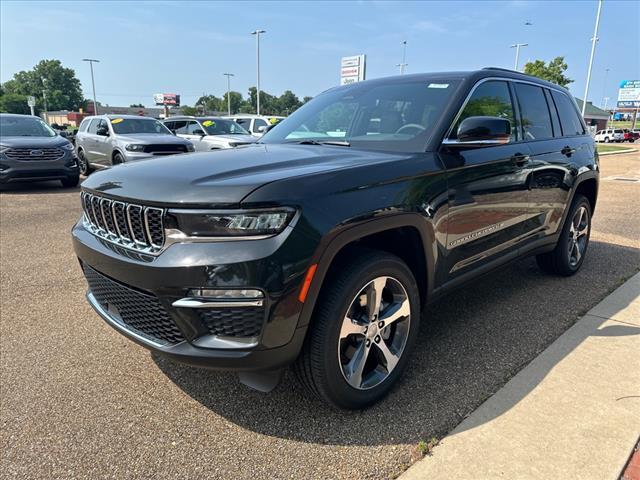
(569,116)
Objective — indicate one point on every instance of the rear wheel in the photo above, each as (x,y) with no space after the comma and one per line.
(566,259)
(362,331)
(83,163)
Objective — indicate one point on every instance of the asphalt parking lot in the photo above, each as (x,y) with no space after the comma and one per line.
(78,400)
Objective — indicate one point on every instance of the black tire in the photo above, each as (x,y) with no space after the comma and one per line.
(318,367)
(117,159)
(560,261)
(83,164)
(70,181)
(606,139)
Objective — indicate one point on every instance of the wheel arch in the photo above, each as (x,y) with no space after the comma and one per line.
(407,236)
(115,152)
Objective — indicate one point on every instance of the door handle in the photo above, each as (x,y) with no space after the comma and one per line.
(519,159)
(567,151)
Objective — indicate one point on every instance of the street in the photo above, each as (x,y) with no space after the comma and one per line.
(81,401)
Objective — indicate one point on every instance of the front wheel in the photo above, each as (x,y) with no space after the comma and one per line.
(566,259)
(362,331)
(117,159)
(83,163)
(606,139)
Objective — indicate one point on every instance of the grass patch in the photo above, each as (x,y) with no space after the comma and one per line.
(425,448)
(603,147)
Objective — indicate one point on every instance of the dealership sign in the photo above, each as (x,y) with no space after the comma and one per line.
(166,99)
(629,94)
(352,69)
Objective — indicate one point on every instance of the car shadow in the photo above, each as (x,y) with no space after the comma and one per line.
(471,343)
(28,188)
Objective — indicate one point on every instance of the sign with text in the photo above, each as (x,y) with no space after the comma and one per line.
(166,99)
(629,94)
(352,69)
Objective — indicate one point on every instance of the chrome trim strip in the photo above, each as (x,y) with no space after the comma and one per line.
(190,302)
(146,224)
(119,325)
(125,235)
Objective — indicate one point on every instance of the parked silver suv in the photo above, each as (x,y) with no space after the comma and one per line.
(106,140)
(210,133)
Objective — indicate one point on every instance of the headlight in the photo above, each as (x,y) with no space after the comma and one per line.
(67,146)
(231,223)
(132,147)
(190,148)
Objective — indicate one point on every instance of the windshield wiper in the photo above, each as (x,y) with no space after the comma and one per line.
(338,143)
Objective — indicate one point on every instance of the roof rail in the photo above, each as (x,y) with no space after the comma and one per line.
(504,70)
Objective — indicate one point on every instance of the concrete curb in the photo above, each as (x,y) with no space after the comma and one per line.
(573,412)
(628,150)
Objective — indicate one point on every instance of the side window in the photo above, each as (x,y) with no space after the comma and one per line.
(93,128)
(180,127)
(569,118)
(490,99)
(258,122)
(194,128)
(555,120)
(103,124)
(170,125)
(244,122)
(536,121)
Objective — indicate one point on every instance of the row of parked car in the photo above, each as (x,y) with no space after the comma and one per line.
(618,135)
(33,150)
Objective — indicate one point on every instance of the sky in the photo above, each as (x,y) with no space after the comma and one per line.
(185,47)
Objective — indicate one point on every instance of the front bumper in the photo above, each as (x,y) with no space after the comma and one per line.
(264,264)
(36,170)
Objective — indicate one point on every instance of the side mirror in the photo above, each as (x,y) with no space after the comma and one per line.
(199,132)
(263,129)
(482,131)
(104,132)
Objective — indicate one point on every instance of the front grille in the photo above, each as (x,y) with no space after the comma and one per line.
(34,154)
(168,149)
(233,322)
(131,225)
(142,313)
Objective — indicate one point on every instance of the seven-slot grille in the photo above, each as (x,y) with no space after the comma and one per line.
(133,226)
(34,153)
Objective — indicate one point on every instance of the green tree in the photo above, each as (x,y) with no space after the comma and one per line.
(552,72)
(306,99)
(136,105)
(287,103)
(187,110)
(14,103)
(236,102)
(62,88)
(211,103)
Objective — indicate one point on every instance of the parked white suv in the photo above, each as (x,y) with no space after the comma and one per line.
(209,133)
(610,135)
(257,125)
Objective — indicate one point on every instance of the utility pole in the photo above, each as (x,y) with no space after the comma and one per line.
(606,100)
(93,83)
(404,57)
(517,47)
(594,40)
(257,34)
(229,75)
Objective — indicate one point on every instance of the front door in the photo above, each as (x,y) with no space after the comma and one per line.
(488,204)
(196,135)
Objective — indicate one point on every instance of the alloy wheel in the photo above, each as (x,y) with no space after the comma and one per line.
(374,333)
(578,235)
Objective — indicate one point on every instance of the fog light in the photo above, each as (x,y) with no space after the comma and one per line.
(226,294)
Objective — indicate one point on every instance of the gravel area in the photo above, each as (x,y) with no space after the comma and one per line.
(78,400)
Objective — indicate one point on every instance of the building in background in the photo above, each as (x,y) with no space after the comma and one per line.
(595,118)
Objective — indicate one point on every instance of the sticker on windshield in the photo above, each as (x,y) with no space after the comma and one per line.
(273,121)
(438,85)
(208,123)
(116,120)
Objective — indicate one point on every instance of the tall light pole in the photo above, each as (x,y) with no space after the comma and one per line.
(228,75)
(594,40)
(605,100)
(604,85)
(404,57)
(93,83)
(517,47)
(257,34)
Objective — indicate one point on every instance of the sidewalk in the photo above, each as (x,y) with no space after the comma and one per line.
(573,412)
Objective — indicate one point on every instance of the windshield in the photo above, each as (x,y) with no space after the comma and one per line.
(127,126)
(24,127)
(219,126)
(393,117)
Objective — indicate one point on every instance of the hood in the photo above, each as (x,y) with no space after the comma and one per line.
(152,139)
(235,138)
(33,142)
(223,177)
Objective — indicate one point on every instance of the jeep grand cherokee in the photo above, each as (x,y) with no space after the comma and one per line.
(318,246)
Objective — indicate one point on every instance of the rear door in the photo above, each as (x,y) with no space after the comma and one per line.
(488,192)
